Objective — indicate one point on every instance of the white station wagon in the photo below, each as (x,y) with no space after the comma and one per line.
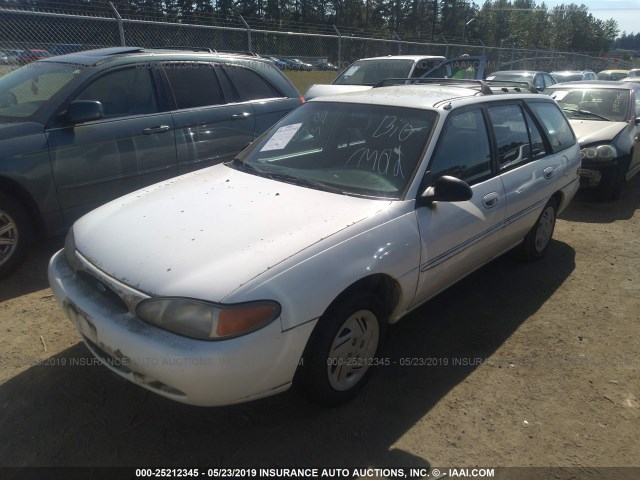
(286,265)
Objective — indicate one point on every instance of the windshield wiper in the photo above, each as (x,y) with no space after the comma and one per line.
(586,112)
(285,177)
(247,167)
(303,182)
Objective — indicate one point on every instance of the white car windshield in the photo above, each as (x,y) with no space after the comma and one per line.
(610,104)
(24,91)
(567,77)
(353,149)
(371,72)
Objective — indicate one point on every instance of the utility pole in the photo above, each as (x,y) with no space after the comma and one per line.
(465,26)
(435,17)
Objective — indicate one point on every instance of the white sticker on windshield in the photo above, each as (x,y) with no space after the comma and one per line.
(281,138)
(351,70)
(559,94)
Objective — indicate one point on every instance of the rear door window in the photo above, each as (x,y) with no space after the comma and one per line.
(518,139)
(194,85)
(557,127)
(538,147)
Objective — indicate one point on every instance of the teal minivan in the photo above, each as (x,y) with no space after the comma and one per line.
(81,129)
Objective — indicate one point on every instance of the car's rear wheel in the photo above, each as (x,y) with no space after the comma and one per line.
(16,234)
(343,349)
(537,241)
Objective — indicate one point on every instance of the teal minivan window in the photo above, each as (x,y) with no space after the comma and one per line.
(24,91)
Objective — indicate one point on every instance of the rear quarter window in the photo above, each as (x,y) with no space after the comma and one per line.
(556,125)
(249,84)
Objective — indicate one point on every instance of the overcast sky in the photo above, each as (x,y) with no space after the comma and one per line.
(625,12)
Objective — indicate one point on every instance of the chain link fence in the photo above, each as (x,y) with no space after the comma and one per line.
(59,32)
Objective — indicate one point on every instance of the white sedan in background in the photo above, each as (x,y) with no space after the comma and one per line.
(286,265)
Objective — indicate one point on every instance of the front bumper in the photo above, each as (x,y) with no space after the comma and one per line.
(197,372)
(590,177)
(592,173)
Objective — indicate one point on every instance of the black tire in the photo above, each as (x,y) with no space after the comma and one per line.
(331,375)
(537,241)
(16,234)
(611,184)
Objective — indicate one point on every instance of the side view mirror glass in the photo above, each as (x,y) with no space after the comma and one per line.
(8,99)
(446,189)
(83,111)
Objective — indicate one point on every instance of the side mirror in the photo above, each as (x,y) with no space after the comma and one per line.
(446,189)
(638,120)
(83,111)
(7,99)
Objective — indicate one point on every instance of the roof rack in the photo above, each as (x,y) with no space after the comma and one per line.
(485,85)
(505,84)
(185,48)
(208,50)
(116,50)
(239,52)
(484,88)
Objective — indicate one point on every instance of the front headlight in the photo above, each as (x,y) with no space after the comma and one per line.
(205,320)
(599,153)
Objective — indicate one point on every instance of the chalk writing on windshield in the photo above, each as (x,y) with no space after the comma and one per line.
(390,126)
(309,132)
(384,162)
(387,160)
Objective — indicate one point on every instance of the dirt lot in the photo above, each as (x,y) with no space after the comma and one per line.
(557,384)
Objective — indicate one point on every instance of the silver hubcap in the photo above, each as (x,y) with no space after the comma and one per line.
(353,350)
(8,236)
(545,228)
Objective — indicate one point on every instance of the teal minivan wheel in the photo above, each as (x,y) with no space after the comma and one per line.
(16,234)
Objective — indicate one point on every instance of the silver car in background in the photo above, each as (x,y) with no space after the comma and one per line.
(606,119)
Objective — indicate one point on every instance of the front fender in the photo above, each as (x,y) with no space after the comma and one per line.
(307,284)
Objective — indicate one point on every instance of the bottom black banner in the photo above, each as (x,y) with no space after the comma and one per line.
(294,473)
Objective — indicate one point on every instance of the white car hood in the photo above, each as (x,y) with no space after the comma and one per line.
(319,90)
(590,131)
(205,234)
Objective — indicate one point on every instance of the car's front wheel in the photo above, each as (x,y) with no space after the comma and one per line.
(537,241)
(343,349)
(16,234)
(611,184)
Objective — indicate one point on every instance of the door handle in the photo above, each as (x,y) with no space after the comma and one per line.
(158,129)
(490,200)
(548,172)
(240,116)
